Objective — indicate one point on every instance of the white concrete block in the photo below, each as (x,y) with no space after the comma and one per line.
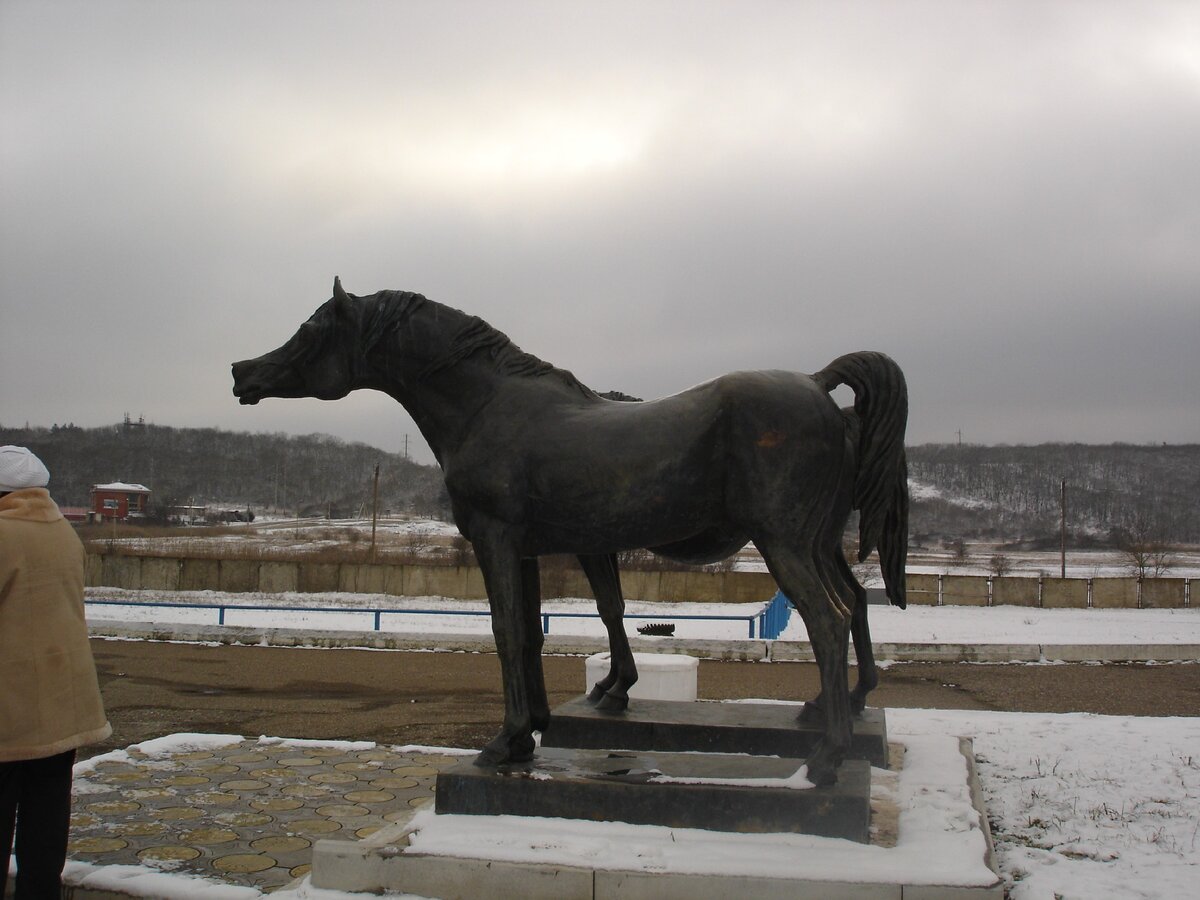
(661,676)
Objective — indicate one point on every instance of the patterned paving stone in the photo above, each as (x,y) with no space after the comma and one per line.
(246,813)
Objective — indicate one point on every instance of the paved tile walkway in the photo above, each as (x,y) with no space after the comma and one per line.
(245,813)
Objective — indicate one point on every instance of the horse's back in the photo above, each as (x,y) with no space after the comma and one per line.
(593,475)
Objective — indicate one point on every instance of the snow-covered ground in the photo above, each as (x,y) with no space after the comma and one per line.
(915,625)
(1023,625)
(1080,806)
(289,537)
(407,615)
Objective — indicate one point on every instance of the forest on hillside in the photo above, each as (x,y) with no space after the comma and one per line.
(1113,492)
(313,474)
(960,492)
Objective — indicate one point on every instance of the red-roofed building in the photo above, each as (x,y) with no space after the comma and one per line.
(119,501)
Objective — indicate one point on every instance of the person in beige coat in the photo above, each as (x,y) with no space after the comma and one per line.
(50,702)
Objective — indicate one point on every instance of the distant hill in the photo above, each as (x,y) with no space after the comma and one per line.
(313,474)
(973,492)
(1012,492)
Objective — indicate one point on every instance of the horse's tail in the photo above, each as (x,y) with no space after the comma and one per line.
(881,479)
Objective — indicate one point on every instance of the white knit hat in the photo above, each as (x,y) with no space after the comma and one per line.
(21,469)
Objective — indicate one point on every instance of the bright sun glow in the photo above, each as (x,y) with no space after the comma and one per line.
(551,151)
(522,152)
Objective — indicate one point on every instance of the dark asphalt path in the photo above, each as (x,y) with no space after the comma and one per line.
(453,699)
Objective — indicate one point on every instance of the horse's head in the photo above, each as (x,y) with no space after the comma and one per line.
(319,361)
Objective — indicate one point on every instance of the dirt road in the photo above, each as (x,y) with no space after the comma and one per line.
(453,699)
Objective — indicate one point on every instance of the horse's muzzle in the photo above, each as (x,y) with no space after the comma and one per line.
(243,383)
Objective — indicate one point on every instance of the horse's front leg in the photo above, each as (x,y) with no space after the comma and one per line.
(502,575)
(531,607)
(612,691)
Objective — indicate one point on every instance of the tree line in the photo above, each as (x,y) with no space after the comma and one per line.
(969,491)
(1114,492)
(314,474)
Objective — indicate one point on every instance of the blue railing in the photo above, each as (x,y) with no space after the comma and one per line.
(774,618)
(770,619)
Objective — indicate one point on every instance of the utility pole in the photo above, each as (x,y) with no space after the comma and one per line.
(1062,528)
(375,508)
(959,432)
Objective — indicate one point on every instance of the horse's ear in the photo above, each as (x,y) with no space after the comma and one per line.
(340,295)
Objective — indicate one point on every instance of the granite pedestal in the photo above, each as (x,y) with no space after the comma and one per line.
(760,729)
(680,790)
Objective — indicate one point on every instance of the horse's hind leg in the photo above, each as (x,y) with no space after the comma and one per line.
(612,691)
(868,674)
(535,680)
(839,582)
(798,576)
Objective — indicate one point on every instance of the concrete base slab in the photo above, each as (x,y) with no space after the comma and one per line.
(942,852)
(679,790)
(761,729)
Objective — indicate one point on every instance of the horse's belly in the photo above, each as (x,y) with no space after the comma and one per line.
(617,520)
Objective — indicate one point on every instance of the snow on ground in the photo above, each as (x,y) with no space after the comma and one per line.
(1084,805)
(915,625)
(356,612)
(289,536)
(1080,806)
(1023,625)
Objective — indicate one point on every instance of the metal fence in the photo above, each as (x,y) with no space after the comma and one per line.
(769,620)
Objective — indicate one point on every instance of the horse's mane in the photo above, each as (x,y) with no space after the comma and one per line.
(473,336)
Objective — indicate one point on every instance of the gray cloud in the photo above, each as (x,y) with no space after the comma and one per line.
(1003,196)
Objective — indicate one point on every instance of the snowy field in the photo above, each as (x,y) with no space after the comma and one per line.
(403,615)
(269,537)
(915,625)
(1080,806)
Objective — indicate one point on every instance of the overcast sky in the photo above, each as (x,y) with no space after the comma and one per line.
(1003,196)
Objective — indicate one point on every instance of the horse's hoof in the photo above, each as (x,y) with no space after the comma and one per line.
(823,764)
(857,705)
(595,695)
(501,751)
(489,758)
(822,774)
(811,714)
(613,703)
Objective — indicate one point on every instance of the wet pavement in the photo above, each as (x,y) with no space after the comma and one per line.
(243,812)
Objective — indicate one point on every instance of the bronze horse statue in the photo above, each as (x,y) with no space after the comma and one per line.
(537,463)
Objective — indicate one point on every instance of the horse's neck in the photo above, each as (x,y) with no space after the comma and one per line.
(444,404)
(451,405)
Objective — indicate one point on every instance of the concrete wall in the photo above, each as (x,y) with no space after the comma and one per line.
(466,582)
(1114,593)
(1018,592)
(964,590)
(1064,593)
(923,590)
(1164,593)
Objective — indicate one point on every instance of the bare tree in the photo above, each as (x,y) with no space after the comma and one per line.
(958,550)
(866,572)
(1146,554)
(999,565)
